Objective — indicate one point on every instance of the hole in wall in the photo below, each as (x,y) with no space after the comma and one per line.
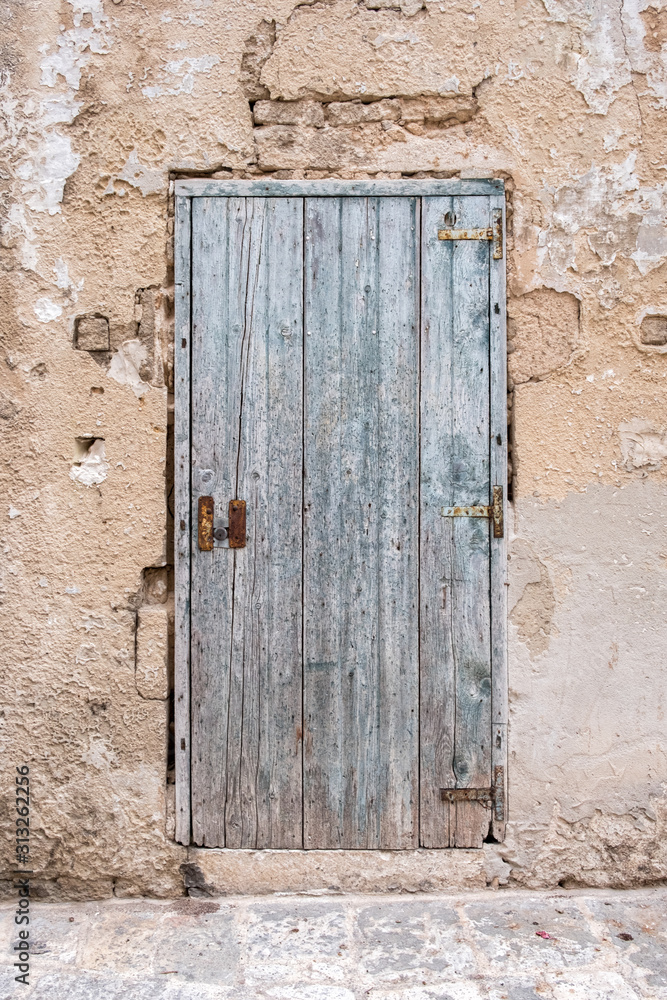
(96,390)
(89,465)
(156,584)
(82,446)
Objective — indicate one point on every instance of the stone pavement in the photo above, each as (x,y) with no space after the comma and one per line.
(504,945)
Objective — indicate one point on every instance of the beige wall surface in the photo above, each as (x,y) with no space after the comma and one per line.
(103,103)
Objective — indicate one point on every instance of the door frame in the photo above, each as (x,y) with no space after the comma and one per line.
(185,191)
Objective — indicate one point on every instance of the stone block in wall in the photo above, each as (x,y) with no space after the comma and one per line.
(654,331)
(258,48)
(91,333)
(356,113)
(288,113)
(287,147)
(438,109)
(542,333)
(152,678)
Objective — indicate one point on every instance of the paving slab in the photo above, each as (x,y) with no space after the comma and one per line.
(503,945)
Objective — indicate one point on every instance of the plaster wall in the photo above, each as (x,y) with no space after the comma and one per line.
(102,104)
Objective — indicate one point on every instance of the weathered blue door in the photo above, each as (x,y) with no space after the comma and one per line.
(341,384)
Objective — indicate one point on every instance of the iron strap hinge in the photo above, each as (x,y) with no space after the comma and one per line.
(494,511)
(491,798)
(494,233)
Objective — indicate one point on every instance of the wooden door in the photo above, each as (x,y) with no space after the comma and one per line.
(338,368)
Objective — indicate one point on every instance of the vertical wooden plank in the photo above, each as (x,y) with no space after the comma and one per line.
(498,353)
(360,524)
(472,732)
(266,790)
(455,566)
(182,516)
(247,444)
(217,224)
(398,233)
(437,692)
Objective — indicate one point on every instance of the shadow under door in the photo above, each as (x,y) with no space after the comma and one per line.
(340,371)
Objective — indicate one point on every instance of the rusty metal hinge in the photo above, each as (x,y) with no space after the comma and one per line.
(205,523)
(493,233)
(491,798)
(211,529)
(237,529)
(494,511)
(497,512)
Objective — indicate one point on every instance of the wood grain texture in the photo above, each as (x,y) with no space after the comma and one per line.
(182,528)
(332,188)
(361,524)
(455,568)
(247,444)
(498,369)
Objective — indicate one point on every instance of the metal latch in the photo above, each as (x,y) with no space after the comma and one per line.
(494,233)
(494,511)
(211,529)
(491,798)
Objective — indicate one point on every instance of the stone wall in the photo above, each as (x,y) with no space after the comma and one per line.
(103,103)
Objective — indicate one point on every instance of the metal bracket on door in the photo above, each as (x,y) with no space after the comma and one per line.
(494,233)
(491,798)
(494,511)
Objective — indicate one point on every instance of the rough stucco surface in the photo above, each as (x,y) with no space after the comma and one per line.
(102,102)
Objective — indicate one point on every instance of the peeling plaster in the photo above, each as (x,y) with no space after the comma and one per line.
(91,469)
(183,71)
(613,39)
(652,235)
(604,68)
(642,444)
(46,310)
(51,159)
(383,38)
(652,64)
(46,170)
(45,155)
(64,281)
(126,364)
(619,216)
(99,755)
(149,180)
